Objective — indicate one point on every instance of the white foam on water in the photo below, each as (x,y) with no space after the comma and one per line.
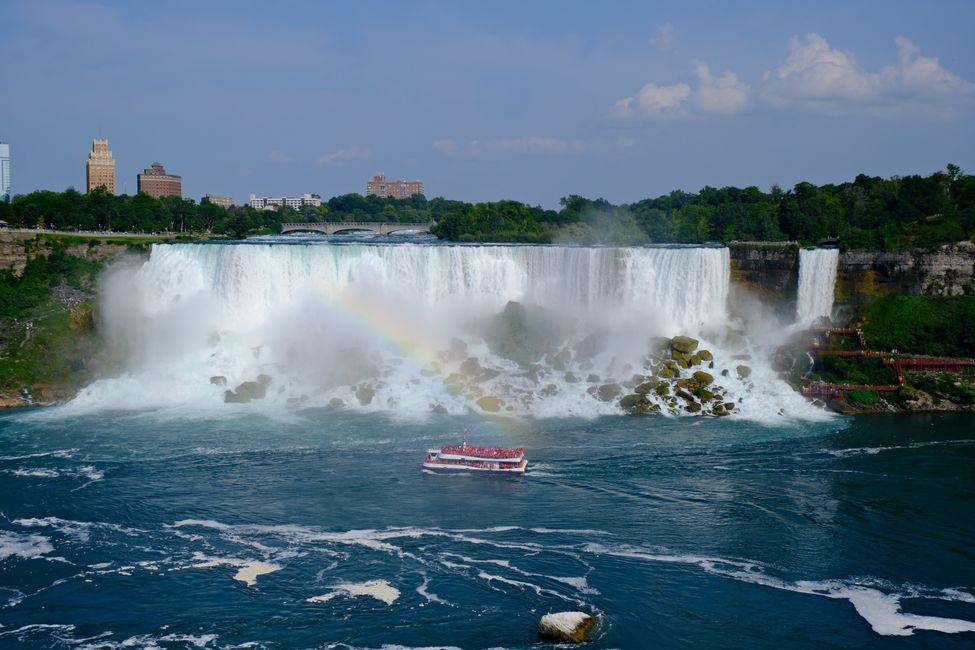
(872,451)
(23,546)
(381,590)
(427,594)
(14,599)
(58,453)
(25,631)
(36,472)
(881,609)
(78,529)
(249,573)
(247,570)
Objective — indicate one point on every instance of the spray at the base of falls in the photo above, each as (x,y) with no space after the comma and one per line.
(413,328)
(817,281)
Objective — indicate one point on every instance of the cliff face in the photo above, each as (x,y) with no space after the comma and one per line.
(17,247)
(772,273)
(948,270)
(768,273)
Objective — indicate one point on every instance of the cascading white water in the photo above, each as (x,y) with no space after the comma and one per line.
(817,281)
(411,328)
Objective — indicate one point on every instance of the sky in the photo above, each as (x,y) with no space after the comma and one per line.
(530,101)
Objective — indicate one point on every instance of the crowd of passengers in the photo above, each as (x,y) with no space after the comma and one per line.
(482,452)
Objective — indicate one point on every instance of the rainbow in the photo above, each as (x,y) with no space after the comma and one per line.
(412,343)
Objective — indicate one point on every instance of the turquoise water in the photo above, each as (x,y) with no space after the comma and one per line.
(191,531)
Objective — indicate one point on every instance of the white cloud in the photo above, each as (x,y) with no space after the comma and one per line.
(654,101)
(344,155)
(923,74)
(819,77)
(725,94)
(662,39)
(817,72)
(530,144)
(279,157)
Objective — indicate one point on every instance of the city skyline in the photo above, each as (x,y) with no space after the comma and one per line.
(625,102)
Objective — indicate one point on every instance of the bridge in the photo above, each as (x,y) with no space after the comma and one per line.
(335,227)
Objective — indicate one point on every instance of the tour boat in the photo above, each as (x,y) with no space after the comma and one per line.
(468,459)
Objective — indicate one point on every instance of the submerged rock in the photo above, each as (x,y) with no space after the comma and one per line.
(335,403)
(490,404)
(566,627)
(218,380)
(743,371)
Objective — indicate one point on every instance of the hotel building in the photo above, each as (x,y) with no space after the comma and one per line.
(380,187)
(100,168)
(155,182)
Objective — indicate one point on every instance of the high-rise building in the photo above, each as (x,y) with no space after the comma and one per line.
(100,168)
(379,186)
(4,172)
(155,182)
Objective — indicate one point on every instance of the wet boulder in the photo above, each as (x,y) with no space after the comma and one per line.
(684,344)
(646,387)
(609,392)
(703,378)
(364,394)
(566,627)
(245,392)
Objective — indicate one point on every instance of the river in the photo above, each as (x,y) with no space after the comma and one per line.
(136,529)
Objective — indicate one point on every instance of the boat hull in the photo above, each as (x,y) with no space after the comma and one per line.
(450,468)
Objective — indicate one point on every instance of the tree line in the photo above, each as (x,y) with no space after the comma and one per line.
(868,212)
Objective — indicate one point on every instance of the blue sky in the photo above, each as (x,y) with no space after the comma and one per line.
(521,100)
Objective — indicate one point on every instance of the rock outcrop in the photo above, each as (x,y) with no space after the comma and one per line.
(566,627)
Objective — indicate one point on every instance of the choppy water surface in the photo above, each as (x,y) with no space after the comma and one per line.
(321,531)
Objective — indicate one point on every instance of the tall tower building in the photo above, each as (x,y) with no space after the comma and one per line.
(101,167)
(4,172)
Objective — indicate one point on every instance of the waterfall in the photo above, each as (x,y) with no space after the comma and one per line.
(817,281)
(411,328)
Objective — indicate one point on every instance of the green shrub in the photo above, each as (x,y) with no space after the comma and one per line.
(865,397)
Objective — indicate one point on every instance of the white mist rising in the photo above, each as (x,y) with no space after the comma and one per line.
(371,326)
